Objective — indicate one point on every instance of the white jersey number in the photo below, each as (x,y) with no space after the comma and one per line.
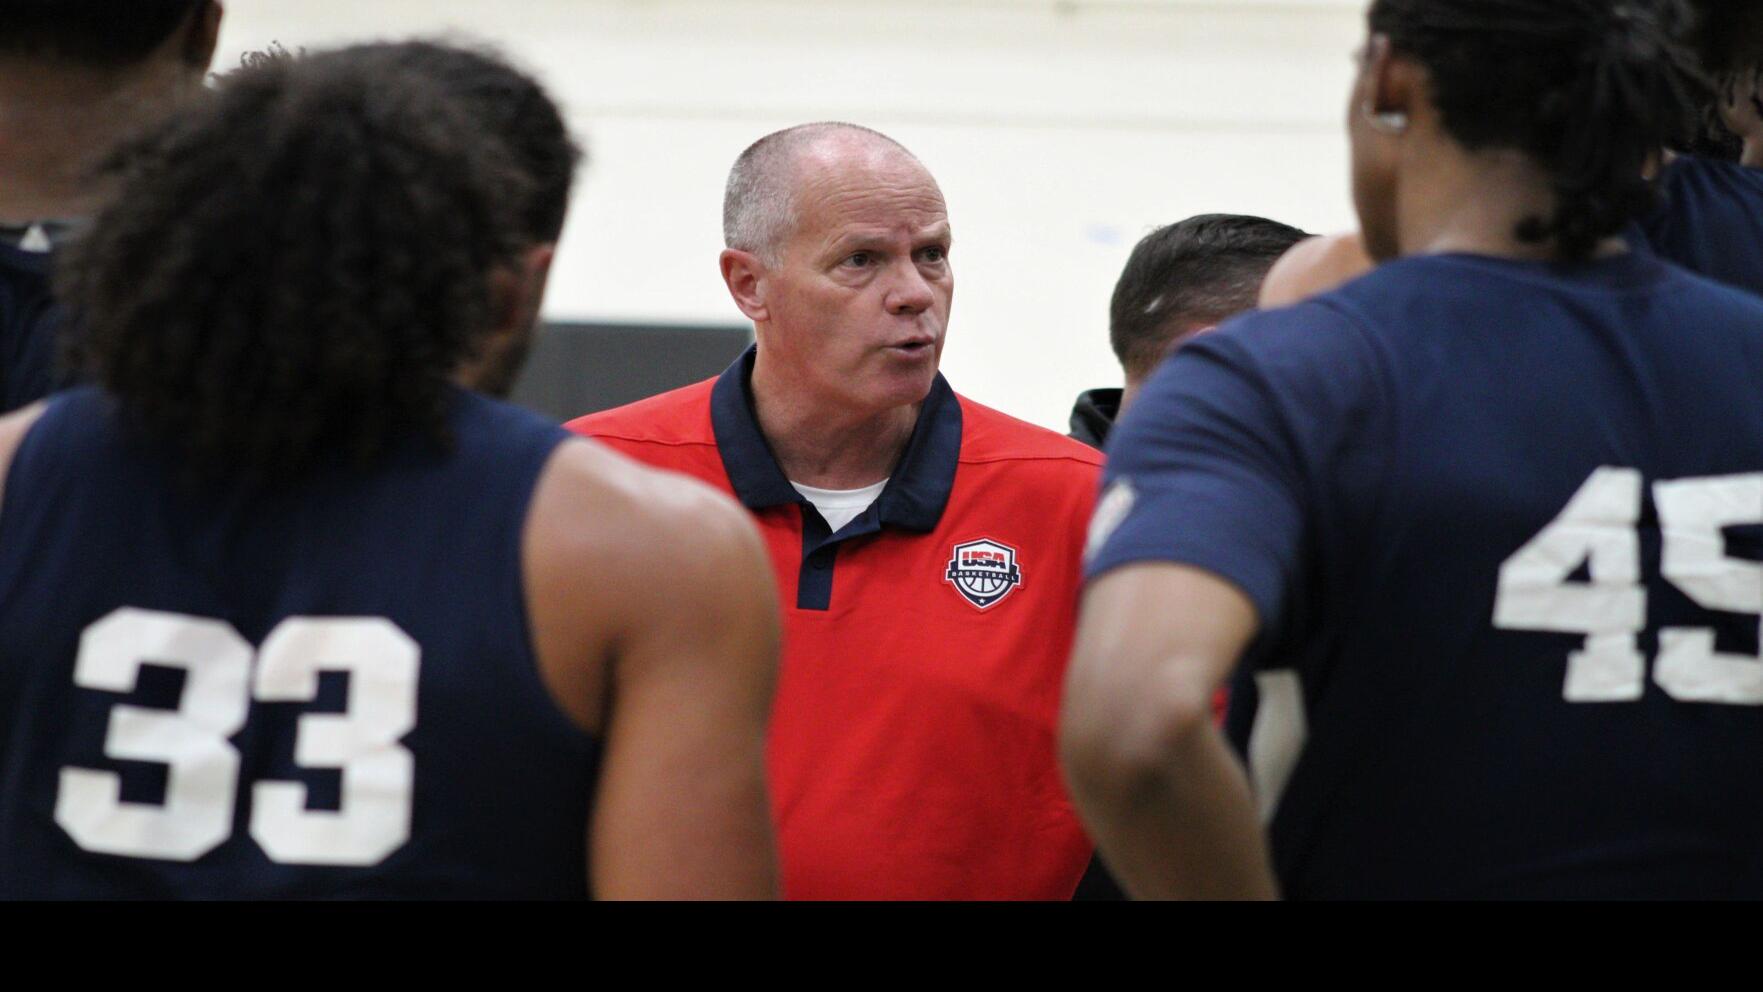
(1598,527)
(202,765)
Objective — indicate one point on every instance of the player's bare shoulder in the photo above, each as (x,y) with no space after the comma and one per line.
(614,548)
(618,511)
(13,427)
(1313,267)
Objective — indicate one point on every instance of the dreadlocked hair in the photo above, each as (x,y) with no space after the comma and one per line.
(1591,90)
(293,271)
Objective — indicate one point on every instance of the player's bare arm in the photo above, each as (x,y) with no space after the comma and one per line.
(657,630)
(1155,781)
(13,428)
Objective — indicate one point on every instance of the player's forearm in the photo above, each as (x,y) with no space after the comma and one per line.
(1176,823)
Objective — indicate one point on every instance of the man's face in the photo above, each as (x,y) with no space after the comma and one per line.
(859,299)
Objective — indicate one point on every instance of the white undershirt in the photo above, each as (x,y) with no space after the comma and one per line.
(839,507)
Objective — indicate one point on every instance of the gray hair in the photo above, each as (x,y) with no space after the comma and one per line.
(759,202)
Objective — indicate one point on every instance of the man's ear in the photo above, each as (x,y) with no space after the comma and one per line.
(1390,87)
(202,36)
(535,264)
(517,291)
(744,275)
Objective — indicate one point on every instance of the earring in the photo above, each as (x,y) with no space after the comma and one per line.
(1388,122)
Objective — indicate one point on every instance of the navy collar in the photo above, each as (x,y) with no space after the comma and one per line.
(917,490)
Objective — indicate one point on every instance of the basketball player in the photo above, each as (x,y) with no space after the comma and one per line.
(75,76)
(1181,280)
(288,610)
(1712,219)
(1485,523)
(926,548)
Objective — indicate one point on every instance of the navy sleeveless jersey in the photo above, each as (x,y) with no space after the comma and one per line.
(27,327)
(1711,221)
(324,690)
(1502,524)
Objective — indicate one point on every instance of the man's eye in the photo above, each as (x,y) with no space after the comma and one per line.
(860,259)
(934,254)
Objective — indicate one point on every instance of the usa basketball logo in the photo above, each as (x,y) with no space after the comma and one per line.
(983,572)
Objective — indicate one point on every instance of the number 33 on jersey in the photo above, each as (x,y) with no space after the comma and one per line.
(202,765)
(1599,529)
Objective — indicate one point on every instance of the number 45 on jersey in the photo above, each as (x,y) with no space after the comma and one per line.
(1599,527)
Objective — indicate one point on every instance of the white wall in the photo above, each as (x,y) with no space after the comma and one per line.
(1061,131)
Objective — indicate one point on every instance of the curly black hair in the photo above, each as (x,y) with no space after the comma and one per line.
(506,101)
(1592,90)
(293,271)
(97,32)
(512,105)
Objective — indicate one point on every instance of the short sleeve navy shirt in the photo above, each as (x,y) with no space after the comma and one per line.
(1712,221)
(1365,466)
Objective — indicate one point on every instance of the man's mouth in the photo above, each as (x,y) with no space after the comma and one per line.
(911,347)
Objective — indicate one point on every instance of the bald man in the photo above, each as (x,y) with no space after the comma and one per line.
(926,548)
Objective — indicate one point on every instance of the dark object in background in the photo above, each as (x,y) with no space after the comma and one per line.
(1099,884)
(577,369)
(1093,416)
(28,316)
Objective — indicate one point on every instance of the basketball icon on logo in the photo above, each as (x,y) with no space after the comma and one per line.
(983,572)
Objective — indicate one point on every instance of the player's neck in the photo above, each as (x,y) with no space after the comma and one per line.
(56,125)
(1473,204)
(823,445)
(1752,158)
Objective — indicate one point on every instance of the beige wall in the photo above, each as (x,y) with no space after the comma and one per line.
(1061,132)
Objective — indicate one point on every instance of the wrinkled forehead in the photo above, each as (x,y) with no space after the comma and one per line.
(841,186)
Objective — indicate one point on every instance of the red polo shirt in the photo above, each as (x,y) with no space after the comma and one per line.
(925,643)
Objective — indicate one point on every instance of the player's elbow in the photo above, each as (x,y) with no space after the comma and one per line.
(1118,747)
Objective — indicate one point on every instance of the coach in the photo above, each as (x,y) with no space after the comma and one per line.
(926,548)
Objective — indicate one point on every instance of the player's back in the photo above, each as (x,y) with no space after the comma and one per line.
(320,689)
(1517,681)
(1711,221)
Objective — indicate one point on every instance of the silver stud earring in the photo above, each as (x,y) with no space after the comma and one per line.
(1388,122)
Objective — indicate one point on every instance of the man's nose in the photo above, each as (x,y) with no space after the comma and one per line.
(910,293)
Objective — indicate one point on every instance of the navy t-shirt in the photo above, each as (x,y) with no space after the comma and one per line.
(28,318)
(1712,220)
(1485,666)
(324,689)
